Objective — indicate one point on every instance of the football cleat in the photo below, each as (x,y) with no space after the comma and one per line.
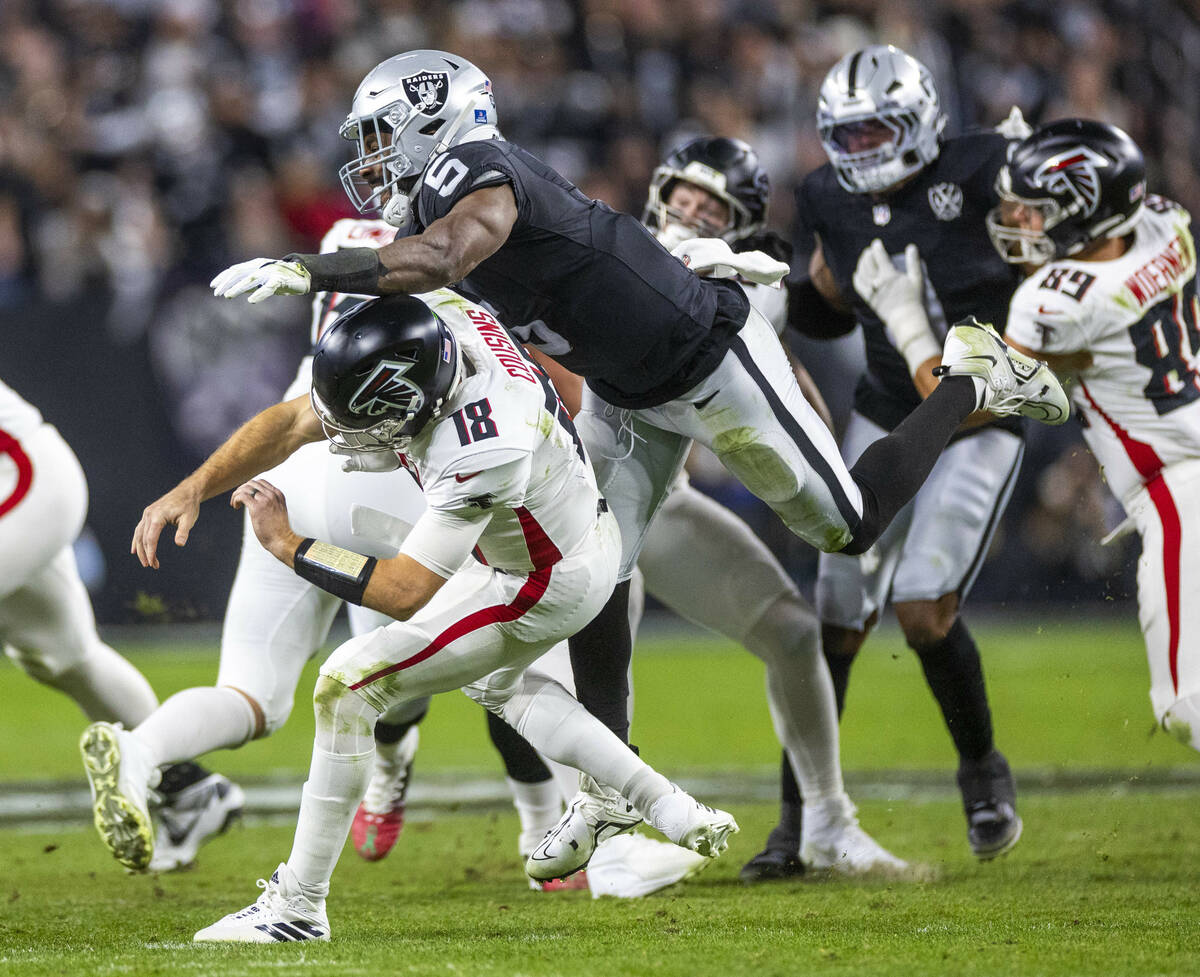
(989,801)
(572,883)
(1012,382)
(121,776)
(833,840)
(692,825)
(772,865)
(632,865)
(595,814)
(189,817)
(380,817)
(280,915)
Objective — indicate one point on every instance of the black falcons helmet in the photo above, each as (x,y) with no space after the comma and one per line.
(728,169)
(1088,180)
(381,372)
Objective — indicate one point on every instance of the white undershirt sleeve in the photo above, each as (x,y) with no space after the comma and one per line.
(442,540)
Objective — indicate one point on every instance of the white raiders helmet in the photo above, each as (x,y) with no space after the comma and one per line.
(879,84)
(408,110)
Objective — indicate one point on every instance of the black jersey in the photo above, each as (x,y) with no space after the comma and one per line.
(588,286)
(942,211)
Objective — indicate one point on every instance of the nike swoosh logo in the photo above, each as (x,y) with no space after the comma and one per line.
(701,404)
(467,478)
(984,356)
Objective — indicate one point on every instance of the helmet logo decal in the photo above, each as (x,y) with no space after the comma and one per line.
(427,90)
(387,389)
(1075,173)
(946,201)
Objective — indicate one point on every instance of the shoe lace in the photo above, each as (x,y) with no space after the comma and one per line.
(387,790)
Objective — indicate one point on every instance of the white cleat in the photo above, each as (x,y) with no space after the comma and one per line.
(1013,383)
(190,817)
(280,915)
(631,865)
(833,840)
(121,776)
(595,814)
(690,824)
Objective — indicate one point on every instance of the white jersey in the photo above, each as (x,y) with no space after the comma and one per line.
(18,417)
(1137,315)
(502,469)
(771,302)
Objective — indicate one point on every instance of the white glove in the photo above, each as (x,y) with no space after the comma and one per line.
(1014,127)
(713,258)
(366,461)
(898,298)
(270,276)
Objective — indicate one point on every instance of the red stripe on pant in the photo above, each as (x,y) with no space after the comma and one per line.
(1168,516)
(529,594)
(12,447)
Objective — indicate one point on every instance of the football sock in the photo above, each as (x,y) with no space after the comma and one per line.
(600,655)
(955,677)
(799,693)
(106,687)
(645,787)
(839,672)
(785,836)
(180,775)
(194,721)
(336,783)
(892,469)
(538,809)
(521,761)
(556,726)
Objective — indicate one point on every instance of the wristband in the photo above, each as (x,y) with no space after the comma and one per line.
(351,271)
(342,573)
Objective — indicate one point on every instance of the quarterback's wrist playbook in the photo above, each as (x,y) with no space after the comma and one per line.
(342,573)
(353,271)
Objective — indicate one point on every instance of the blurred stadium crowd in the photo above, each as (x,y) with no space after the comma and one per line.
(146,144)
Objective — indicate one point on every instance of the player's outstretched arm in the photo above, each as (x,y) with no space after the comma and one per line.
(444,253)
(398,587)
(261,443)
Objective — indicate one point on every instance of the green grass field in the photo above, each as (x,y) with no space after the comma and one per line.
(1105,880)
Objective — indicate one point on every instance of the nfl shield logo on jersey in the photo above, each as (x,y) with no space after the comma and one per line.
(427,90)
(946,201)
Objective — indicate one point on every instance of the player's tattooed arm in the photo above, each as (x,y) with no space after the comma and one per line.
(261,443)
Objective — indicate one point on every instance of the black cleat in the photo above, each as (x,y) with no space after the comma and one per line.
(772,865)
(989,801)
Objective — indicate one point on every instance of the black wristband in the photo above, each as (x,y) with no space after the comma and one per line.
(354,271)
(342,573)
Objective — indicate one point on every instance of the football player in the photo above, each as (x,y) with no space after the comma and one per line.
(668,356)
(1112,303)
(48,628)
(895,191)
(509,493)
(715,188)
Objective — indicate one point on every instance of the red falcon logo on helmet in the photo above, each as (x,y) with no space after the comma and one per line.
(387,389)
(1074,173)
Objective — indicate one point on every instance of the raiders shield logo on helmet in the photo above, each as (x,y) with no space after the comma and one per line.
(946,201)
(427,90)
(387,389)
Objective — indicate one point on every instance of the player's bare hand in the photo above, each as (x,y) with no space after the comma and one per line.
(268,516)
(179,508)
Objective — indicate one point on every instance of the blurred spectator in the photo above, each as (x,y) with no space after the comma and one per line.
(146,144)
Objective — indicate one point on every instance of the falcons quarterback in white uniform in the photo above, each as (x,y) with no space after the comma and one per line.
(1112,301)
(510,494)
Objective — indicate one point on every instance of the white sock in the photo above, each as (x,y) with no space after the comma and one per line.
(194,721)
(557,726)
(538,809)
(645,787)
(335,785)
(107,688)
(800,695)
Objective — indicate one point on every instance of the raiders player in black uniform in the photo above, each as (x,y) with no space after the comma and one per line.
(892,178)
(668,356)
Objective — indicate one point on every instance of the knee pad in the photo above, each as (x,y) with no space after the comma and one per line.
(345,720)
(1182,721)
